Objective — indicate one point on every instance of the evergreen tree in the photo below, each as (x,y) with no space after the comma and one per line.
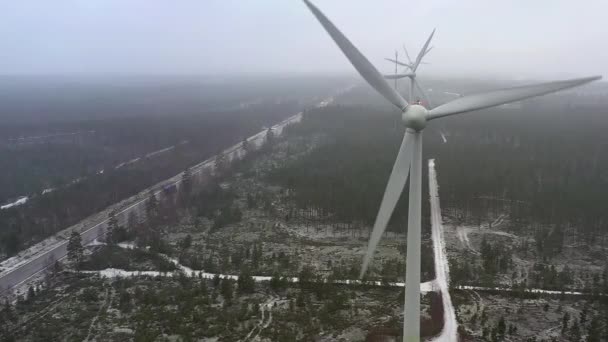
(186,242)
(75,249)
(203,285)
(226,289)
(245,282)
(149,233)
(185,190)
(221,162)
(256,255)
(132,221)
(31,293)
(605,326)
(246,146)
(306,276)
(152,207)
(301,300)
(251,203)
(565,321)
(269,137)
(113,228)
(595,330)
(583,316)
(277,282)
(575,331)
(485,332)
(484,317)
(501,327)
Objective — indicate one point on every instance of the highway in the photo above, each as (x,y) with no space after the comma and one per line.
(31,262)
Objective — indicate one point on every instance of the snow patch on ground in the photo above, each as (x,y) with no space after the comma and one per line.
(127,245)
(120,273)
(463,232)
(21,200)
(502,289)
(463,236)
(96,243)
(46,191)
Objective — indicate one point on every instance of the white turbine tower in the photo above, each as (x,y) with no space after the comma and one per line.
(409,157)
(396,67)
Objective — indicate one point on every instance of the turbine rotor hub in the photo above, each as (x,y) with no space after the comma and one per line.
(414,117)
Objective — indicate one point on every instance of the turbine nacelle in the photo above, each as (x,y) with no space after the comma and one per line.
(414,117)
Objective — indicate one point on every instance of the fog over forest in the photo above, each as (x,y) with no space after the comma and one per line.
(213,170)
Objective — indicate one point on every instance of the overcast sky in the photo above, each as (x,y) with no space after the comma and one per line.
(513,39)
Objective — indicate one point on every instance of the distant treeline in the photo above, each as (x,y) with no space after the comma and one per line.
(347,174)
(546,167)
(43,216)
(33,165)
(56,98)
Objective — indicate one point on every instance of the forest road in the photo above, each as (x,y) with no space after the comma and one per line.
(442,269)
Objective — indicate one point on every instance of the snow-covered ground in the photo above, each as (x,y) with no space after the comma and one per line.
(463,232)
(463,236)
(119,273)
(549,292)
(265,320)
(21,200)
(115,272)
(48,190)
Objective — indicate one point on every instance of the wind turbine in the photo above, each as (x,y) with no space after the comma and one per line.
(409,157)
(409,64)
(413,66)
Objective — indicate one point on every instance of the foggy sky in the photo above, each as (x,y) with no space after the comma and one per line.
(512,39)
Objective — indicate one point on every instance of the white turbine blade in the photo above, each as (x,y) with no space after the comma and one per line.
(428,50)
(397,62)
(423,51)
(396,182)
(407,55)
(363,66)
(397,76)
(423,93)
(498,97)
